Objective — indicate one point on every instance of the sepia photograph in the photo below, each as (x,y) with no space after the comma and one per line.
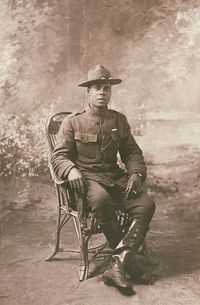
(100,152)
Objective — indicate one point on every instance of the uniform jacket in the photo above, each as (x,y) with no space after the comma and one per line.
(91,142)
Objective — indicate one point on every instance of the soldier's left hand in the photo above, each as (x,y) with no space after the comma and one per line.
(134,185)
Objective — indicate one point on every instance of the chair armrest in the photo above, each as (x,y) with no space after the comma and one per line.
(55,178)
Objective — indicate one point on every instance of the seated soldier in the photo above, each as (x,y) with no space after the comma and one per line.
(86,155)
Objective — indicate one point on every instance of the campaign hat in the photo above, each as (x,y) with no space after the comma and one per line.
(99,74)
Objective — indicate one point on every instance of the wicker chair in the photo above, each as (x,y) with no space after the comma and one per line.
(86,225)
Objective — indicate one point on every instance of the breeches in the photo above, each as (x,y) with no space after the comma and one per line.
(103,201)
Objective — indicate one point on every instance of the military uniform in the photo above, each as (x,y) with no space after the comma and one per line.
(91,142)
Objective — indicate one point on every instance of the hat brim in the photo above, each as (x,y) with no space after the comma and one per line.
(112,81)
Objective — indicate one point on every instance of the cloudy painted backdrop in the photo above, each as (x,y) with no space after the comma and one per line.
(46,48)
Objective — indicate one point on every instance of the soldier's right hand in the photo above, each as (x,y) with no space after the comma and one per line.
(76,181)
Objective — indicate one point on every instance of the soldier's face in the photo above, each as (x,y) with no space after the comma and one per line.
(99,95)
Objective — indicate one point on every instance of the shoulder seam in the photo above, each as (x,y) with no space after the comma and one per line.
(73,114)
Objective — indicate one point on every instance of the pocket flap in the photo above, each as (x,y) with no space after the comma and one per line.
(85,137)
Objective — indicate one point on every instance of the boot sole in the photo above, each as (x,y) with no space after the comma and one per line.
(127,290)
(110,282)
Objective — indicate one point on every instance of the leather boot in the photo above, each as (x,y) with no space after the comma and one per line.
(115,276)
(129,245)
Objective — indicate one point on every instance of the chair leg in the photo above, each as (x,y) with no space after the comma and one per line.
(57,241)
(84,259)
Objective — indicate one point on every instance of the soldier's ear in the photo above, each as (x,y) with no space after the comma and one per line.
(88,91)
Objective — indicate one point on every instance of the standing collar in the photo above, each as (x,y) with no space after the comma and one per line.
(90,111)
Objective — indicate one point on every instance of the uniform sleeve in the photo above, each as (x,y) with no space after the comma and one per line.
(130,153)
(64,152)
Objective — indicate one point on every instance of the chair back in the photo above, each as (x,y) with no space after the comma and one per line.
(51,131)
(66,199)
(53,126)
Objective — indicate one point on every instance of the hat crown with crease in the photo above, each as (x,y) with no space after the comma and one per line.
(98,74)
